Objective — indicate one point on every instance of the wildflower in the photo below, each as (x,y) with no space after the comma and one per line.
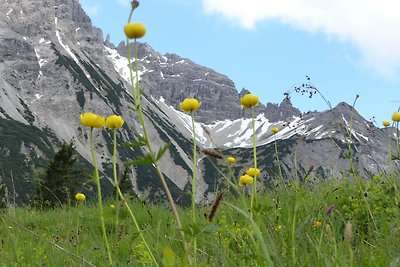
(396,116)
(114,121)
(275,130)
(253,172)
(92,120)
(135,30)
(80,197)
(249,101)
(329,210)
(190,105)
(317,224)
(230,160)
(112,206)
(386,123)
(279,228)
(245,180)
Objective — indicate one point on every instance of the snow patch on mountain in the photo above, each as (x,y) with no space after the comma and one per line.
(121,65)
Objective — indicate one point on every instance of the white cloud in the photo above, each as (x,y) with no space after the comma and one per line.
(124,2)
(371,25)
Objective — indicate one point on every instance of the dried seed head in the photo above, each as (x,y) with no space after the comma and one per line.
(212,153)
(135,4)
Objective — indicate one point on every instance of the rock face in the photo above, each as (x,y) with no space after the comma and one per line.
(54,65)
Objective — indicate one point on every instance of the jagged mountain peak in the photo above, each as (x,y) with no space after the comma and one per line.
(281,112)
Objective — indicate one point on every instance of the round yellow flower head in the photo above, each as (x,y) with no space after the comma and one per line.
(112,206)
(249,101)
(386,123)
(135,30)
(230,160)
(80,197)
(253,172)
(114,122)
(278,228)
(245,180)
(317,224)
(92,120)
(275,130)
(396,116)
(190,105)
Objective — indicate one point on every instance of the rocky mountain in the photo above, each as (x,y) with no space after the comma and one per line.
(55,65)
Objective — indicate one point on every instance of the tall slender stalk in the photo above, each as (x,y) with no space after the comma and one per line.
(194,183)
(121,196)
(253,200)
(97,180)
(136,93)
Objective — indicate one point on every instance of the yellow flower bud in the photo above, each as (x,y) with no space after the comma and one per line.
(386,123)
(249,101)
(230,160)
(190,105)
(275,130)
(112,206)
(80,197)
(396,116)
(278,228)
(245,180)
(92,120)
(135,30)
(253,172)
(114,121)
(317,224)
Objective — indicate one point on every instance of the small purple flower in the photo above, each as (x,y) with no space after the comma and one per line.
(329,210)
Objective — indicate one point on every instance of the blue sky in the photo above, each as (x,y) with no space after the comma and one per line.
(267,47)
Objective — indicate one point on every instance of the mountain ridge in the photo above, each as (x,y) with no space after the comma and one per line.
(55,65)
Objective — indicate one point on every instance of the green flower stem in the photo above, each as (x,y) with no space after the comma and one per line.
(397,140)
(293,250)
(136,93)
(277,160)
(121,196)
(97,180)
(194,183)
(254,188)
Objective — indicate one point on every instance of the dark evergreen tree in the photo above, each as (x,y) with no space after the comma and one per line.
(3,196)
(62,178)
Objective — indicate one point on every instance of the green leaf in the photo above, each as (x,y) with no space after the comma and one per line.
(169,258)
(162,151)
(141,141)
(145,160)
(210,229)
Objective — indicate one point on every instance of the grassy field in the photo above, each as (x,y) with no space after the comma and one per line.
(335,223)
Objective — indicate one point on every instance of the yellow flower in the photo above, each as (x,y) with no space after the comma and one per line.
(230,160)
(317,224)
(396,116)
(253,172)
(275,130)
(114,121)
(190,105)
(135,30)
(278,228)
(80,197)
(386,123)
(90,119)
(245,180)
(249,101)
(112,206)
